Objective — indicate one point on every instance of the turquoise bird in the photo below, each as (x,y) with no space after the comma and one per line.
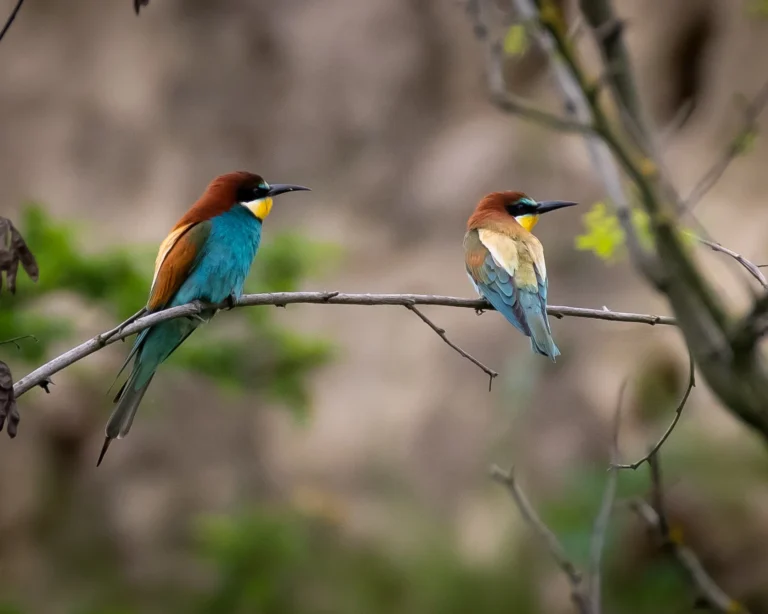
(505,263)
(205,258)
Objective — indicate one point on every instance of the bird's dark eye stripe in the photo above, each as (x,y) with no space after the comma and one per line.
(250,193)
(520,208)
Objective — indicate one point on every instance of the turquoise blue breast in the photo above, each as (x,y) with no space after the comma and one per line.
(225,258)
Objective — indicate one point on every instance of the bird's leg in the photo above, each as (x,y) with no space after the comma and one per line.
(119,329)
(231,301)
(196,316)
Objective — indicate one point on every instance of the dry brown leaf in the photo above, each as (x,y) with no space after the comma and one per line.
(14,250)
(8,409)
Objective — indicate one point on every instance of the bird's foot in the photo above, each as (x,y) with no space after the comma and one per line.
(200,307)
(231,301)
(119,329)
(479,311)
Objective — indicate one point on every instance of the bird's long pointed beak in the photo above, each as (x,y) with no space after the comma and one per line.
(282,188)
(551,205)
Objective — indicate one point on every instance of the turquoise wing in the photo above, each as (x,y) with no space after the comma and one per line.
(493,282)
(517,290)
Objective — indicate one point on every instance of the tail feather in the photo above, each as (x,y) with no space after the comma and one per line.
(122,417)
(150,350)
(538,323)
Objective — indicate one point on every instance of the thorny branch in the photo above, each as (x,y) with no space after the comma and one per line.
(281,299)
(654,515)
(672,425)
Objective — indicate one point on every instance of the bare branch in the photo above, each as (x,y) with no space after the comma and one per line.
(672,541)
(281,299)
(500,96)
(11,18)
(15,340)
(603,518)
(672,425)
(735,147)
(543,532)
(734,372)
(751,267)
(576,94)
(441,331)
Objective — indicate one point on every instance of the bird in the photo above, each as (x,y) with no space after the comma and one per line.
(505,262)
(205,259)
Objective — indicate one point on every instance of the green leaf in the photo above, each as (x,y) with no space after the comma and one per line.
(605,237)
(745,142)
(516,40)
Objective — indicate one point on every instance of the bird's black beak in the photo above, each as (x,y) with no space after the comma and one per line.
(550,205)
(282,188)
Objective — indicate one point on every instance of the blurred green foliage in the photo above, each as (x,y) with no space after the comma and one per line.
(516,40)
(283,561)
(605,238)
(756,8)
(245,349)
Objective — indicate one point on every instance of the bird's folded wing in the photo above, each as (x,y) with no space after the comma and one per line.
(175,260)
(503,266)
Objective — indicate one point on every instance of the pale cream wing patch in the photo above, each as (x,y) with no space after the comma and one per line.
(502,248)
(536,252)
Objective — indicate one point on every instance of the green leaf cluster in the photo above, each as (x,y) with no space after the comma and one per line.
(605,238)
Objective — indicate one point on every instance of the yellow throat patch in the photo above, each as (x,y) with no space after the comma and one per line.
(528,221)
(260,208)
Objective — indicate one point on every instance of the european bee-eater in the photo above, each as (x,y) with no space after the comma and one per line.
(205,258)
(505,262)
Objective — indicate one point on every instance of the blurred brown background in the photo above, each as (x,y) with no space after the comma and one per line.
(115,124)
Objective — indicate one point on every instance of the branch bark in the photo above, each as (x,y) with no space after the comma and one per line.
(11,18)
(654,515)
(281,299)
(735,372)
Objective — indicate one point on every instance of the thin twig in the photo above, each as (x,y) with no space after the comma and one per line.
(575,97)
(600,527)
(545,534)
(751,267)
(735,147)
(11,18)
(282,299)
(655,517)
(441,331)
(672,425)
(499,94)
(15,340)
